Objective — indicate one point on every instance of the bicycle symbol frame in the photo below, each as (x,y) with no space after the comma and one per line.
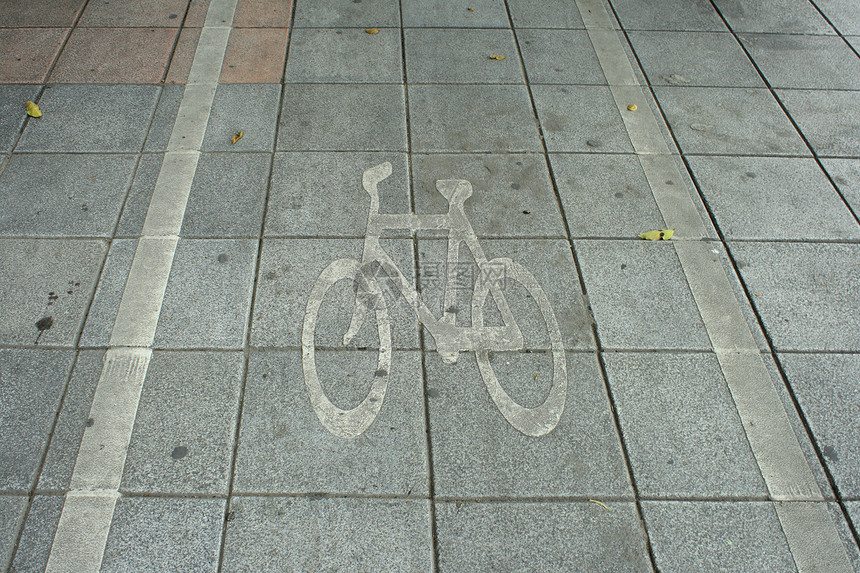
(450,338)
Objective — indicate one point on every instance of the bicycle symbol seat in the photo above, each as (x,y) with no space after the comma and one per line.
(450,338)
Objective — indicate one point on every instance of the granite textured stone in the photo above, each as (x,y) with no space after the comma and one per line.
(64,195)
(827,119)
(182,441)
(38,535)
(333,13)
(248,108)
(795,61)
(47,287)
(842,14)
(105,305)
(544,536)
(451,14)
(690,15)
(356,117)
(806,293)
(778,16)
(729,121)
(165,534)
(707,535)
(11,511)
(461,56)
(477,453)
(545,14)
(33,383)
(139,196)
(345,55)
(639,296)
(164,118)
(208,296)
(846,176)
(605,195)
(13,112)
(283,447)
(319,534)
(580,118)
(683,433)
(472,118)
(559,57)
(773,198)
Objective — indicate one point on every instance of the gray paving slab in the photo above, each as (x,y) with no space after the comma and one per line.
(332,13)
(165,534)
(605,195)
(13,113)
(472,118)
(773,198)
(139,196)
(227,196)
(548,260)
(682,431)
(11,511)
(319,534)
(709,535)
(47,287)
(512,194)
(164,118)
(453,14)
(639,296)
(309,188)
(32,382)
(182,441)
(345,55)
(795,61)
(676,59)
(288,271)
(356,117)
(854,41)
(779,16)
(695,15)
(846,176)
(806,294)
(34,549)
(560,57)
(842,13)
(731,121)
(283,447)
(91,119)
(848,540)
(64,195)
(546,14)
(249,108)
(103,310)
(826,119)
(72,421)
(461,56)
(853,511)
(826,388)
(540,537)
(477,453)
(580,118)
(208,296)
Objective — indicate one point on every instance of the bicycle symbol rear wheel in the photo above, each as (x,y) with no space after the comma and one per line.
(542,419)
(347,423)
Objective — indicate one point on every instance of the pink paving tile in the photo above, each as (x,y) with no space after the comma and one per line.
(197,13)
(26,54)
(180,64)
(134,13)
(254,56)
(115,55)
(39,13)
(262,14)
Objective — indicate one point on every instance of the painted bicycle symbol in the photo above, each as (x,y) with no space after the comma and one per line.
(450,338)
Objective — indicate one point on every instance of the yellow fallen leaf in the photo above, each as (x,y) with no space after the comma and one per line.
(372,30)
(658,235)
(470,9)
(632,107)
(497,57)
(601,504)
(33,110)
(237,137)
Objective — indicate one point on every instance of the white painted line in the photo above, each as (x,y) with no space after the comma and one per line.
(82,531)
(812,536)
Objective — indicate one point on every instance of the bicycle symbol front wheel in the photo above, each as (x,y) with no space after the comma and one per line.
(542,419)
(347,423)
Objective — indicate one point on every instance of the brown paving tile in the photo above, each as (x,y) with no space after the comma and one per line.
(197,13)
(134,13)
(254,56)
(39,13)
(26,54)
(180,65)
(262,14)
(115,55)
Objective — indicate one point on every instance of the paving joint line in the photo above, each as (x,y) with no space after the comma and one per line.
(761,410)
